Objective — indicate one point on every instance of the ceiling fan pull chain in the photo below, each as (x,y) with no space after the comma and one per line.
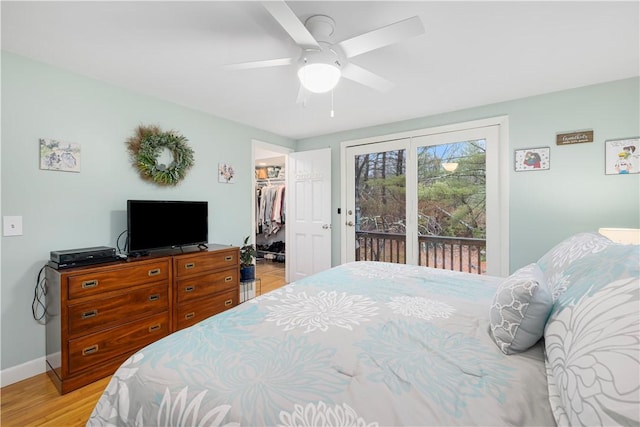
(332,115)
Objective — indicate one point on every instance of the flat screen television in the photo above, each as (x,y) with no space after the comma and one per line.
(162,224)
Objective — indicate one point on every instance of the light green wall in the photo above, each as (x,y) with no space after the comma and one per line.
(64,210)
(544,206)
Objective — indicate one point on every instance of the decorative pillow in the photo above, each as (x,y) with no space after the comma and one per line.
(520,310)
(555,261)
(595,271)
(592,344)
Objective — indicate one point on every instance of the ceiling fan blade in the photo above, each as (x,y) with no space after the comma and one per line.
(366,77)
(259,64)
(382,37)
(303,96)
(291,24)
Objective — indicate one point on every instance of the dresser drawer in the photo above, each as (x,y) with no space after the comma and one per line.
(106,312)
(200,286)
(190,265)
(193,312)
(102,346)
(98,282)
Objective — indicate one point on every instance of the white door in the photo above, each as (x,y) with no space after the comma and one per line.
(308,248)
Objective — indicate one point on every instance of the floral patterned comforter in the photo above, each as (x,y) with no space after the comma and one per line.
(365,343)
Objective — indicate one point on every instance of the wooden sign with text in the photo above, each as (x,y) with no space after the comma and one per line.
(574,137)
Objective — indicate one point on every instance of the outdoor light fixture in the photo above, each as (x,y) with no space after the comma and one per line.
(319,70)
(450,167)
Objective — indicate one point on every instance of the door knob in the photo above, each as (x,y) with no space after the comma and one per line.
(350,223)
(326,226)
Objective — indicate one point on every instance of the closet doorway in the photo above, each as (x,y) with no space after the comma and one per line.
(270,213)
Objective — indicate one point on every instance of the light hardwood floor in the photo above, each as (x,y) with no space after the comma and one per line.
(271,275)
(36,402)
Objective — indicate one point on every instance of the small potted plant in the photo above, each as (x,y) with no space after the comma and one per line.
(247,255)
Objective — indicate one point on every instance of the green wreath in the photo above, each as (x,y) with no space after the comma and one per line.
(147,145)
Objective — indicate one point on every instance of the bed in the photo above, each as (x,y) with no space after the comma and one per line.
(378,344)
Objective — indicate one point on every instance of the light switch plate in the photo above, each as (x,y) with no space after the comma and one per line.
(12,225)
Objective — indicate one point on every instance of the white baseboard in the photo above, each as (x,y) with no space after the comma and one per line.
(23,371)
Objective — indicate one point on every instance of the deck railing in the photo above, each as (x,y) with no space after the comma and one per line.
(449,253)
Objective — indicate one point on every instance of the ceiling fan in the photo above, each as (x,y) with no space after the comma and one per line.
(322,63)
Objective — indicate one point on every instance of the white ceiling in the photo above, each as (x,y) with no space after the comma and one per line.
(473,53)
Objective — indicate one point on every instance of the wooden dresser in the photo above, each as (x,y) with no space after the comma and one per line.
(100,315)
(206,283)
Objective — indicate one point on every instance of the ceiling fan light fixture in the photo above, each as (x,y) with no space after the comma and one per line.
(319,78)
(319,71)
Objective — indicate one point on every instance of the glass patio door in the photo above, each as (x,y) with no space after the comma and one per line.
(376,218)
(428,200)
(451,202)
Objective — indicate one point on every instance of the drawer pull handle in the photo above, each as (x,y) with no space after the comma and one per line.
(228,302)
(89,314)
(154,272)
(228,258)
(154,328)
(189,289)
(190,315)
(189,265)
(228,278)
(154,297)
(88,284)
(90,350)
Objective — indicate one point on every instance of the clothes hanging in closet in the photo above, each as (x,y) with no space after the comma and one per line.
(270,209)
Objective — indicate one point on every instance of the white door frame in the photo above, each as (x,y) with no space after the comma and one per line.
(257,145)
(501,232)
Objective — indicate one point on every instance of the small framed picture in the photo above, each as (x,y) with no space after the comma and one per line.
(622,156)
(226,173)
(59,155)
(532,159)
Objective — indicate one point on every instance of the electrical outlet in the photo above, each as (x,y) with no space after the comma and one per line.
(12,225)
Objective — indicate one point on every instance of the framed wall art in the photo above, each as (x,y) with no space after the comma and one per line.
(532,159)
(622,156)
(59,155)
(226,173)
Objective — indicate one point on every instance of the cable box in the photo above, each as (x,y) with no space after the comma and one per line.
(82,257)
(94,261)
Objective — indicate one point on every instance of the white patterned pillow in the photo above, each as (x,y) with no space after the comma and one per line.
(555,262)
(520,310)
(593,356)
